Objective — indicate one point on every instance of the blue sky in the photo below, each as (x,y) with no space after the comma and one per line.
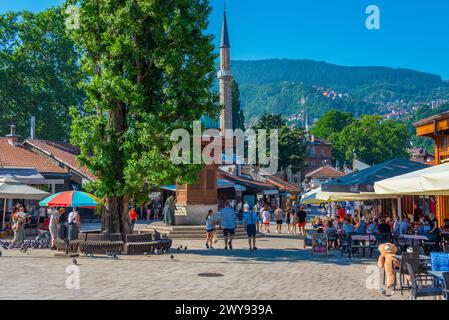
(414,33)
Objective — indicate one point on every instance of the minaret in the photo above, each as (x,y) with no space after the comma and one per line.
(225,78)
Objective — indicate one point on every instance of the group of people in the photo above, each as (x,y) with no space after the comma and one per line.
(256,219)
(227,221)
(345,223)
(47,218)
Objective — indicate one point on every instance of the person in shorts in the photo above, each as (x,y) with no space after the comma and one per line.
(266,218)
(302,220)
(53,226)
(210,229)
(279,218)
(227,220)
(250,218)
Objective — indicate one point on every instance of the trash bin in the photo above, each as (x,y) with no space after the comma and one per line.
(72,232)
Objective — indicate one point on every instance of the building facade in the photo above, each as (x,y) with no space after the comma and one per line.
(437,128)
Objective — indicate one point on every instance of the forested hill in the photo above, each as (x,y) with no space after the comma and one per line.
(276,86)
(325,74)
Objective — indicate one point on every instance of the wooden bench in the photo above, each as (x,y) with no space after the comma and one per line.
(146,242)
(100,243)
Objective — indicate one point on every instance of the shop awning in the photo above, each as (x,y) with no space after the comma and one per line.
(430,181)
(318,196)
(23,175)
(221,184)
(364,180)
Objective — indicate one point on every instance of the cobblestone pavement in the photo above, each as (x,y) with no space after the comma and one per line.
(278,270)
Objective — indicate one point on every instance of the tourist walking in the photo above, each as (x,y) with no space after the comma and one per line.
(302,220)
(18,225)
(210,229)
(287,220)
(227,220)
(250,219)
(266,218)
(279,218)
(53,226)
(169,210)
(133,217)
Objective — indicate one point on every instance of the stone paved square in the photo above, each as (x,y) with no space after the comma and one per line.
(278,270)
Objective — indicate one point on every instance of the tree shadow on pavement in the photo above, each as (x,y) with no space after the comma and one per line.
(279,255)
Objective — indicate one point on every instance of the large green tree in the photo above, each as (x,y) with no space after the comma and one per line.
(373,140)
(331,123)
(329,127)
(39,73)
(238,118)
(292,142)
(151,68)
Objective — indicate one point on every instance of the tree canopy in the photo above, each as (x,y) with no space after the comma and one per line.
(39,73)
(369,138)
(151,68)
(292,142)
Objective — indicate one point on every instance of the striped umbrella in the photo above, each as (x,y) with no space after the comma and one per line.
(73,199)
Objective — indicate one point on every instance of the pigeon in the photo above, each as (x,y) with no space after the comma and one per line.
(172,257)
(179,248)
(185,248)
(74,261)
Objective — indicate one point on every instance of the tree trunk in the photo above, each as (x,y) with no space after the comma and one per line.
(115,217)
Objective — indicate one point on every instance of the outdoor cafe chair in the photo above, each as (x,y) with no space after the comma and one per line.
(422,284)
(332,239)
(402,271)
(346,247)
(446,285)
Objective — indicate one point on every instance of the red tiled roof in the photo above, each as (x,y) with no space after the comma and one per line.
(64,153)
(283,184)
(18,156)
(326,172)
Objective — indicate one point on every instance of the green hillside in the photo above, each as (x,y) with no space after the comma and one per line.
(277,85)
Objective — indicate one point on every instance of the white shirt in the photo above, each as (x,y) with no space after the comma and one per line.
(246,207)
(73,217)
(42,212)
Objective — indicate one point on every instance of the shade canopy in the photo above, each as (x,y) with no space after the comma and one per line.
(364,180)
(71,199)
(318,196)
(13,189)
(430,181)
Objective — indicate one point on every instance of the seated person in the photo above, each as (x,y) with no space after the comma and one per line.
(330,228)
(348,228)
(426,228)
(384,227)
(318,224)
(445,226)
(373,227)
(406,226)
(361,227)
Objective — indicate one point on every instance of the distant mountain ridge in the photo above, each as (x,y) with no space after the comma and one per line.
(313,72)
(276,85)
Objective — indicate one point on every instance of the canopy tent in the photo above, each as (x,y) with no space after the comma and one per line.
(13,189)
(432,181)
(364,180)
(318,196)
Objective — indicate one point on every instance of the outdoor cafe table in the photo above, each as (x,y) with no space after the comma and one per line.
(414,237)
